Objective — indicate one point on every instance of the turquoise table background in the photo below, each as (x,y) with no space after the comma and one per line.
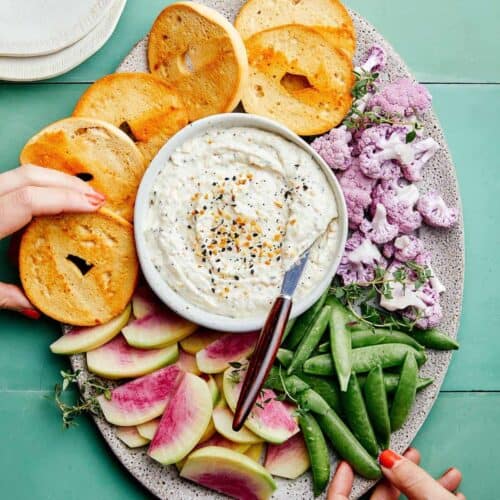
(453,46)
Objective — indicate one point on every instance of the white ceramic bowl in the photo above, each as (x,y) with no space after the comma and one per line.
(171,298)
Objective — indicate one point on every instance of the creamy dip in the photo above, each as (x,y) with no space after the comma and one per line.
(231,211)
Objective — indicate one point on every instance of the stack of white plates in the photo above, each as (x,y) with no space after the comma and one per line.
(41,39)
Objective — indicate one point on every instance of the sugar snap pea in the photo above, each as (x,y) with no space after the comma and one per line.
(311,339)
(391,381)
(284,356)
(357,416)
(288,328)
(327,388)
(405,393)
(363,338)
(342,439)
(340,344)
(303,323)
(365,358)
(376,405)
(317,450)
(433,339)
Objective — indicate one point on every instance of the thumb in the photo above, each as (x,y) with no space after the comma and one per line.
(412,480)
(12,297)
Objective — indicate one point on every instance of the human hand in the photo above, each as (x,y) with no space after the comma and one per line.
(29,191)
(402,475)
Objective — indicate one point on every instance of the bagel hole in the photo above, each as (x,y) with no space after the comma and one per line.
(185,62)
(85,176)
(81,264)
(125,127)
(293,82)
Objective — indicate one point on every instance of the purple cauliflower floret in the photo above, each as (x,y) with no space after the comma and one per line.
(380,147)
(357,193)
(435,212)
(334,148)
(360,259)
(399,202)
(423,150)
(431,313)
(374,60)
(407,248)
(402,98)
(379,230)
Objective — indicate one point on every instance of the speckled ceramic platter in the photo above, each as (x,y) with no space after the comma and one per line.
(448,251)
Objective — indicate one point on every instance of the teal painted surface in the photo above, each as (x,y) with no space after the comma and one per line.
(446,41)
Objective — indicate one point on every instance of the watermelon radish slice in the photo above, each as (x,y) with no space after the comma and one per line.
(209,431)
(270,419)
(255,452)
(215,358)
(187,363)
(83,339)
(230,473)
(199,340)
(289,460)
(141,399)
(216,440)
(158,329)
(144,302)
(148,429)
(131,437)
(213,387)
(184,421)
(117,359)
(223,421)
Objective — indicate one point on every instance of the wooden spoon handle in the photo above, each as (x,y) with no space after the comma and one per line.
(262,358)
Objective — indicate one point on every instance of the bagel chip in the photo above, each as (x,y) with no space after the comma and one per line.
(197,50)
(310,95)
(79,269)
(329,17)
(95,151)
(145,107)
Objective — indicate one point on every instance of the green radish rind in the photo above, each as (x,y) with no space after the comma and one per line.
(310,340)
(377,406)
(318,452)
(357,418)
(303,323)
(214,466)
(405,393)
(131,437)
(258,422)
(340,344)
(365,358)
(83,339)
(184,421)
(343,440)
(117,360)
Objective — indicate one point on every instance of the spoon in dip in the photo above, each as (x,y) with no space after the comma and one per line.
(268,342)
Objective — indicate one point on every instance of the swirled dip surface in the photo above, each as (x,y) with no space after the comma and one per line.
(231,211)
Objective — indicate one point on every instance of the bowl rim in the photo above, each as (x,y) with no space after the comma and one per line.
(170,297)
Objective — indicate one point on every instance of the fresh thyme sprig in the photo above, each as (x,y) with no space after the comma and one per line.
(92,387)
(359,298)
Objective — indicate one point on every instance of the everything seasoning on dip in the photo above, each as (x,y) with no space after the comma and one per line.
(231,211)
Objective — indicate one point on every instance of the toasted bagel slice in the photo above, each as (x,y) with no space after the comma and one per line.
(197,50)
(95,151)
(79,269)
(329,17)
(145,107)
(309,94)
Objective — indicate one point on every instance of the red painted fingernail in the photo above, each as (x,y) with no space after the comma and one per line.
(388,458)
(30,313)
